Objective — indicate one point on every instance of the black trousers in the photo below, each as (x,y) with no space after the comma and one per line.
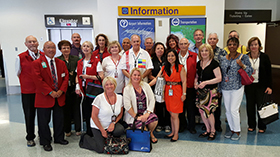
(71,111)
(44,117)
(189,106)
(29,114)
(162,114)
(87,108)
(254,97)
(96,142)
(217,113)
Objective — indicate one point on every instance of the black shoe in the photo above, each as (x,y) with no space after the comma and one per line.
(203,127)
(213,136)
(31,143)
(166,136)
(172,140)
(192,131)
(219,129)
(47,147)
(205,134)
(63,142)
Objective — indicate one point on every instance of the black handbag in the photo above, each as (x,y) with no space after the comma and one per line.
(268,111)
(92,89)
(116,145)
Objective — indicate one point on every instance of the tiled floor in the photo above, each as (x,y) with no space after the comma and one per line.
(13,143)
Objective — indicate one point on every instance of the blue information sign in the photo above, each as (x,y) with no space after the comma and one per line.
(143,27)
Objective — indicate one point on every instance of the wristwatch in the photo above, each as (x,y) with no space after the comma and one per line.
(184,93)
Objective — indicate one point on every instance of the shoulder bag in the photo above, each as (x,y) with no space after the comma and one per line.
(245,79)
(93,89)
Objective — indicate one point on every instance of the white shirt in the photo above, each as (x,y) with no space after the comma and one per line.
(143,62)
(106,110)
(18,67)
(255,63)
(109,69)
(49,62)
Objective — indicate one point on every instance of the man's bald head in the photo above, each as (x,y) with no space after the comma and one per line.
(49,49)
(184,44)
(31,43)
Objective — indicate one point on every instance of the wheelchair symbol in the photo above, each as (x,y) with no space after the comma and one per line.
(50,20)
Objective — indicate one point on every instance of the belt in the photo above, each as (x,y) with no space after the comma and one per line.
(173,83)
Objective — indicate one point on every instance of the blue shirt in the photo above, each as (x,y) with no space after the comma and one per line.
(194,49)
(219,53)
(230,72)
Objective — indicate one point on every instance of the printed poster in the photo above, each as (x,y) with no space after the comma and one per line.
(143,27)
(185,27)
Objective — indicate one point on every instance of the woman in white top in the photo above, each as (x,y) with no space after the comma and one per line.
(110,65)
(107,110)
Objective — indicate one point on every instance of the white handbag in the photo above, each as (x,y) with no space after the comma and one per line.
(268,112)
(159,89)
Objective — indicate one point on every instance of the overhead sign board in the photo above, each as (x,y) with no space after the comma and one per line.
(69,21)
(247,16)
(161,10)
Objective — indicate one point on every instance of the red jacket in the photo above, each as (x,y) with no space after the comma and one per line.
(44,82)
(105,54)
(27,84)
(191,69)
(92,70)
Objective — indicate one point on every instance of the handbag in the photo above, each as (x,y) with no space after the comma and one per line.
(245,79)
(159,89)
(116,145)
(140,139)
(93,89)
(268,111)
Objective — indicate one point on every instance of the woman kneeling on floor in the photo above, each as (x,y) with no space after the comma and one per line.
(107,110)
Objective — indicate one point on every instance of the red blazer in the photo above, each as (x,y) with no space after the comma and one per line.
(191,69)
(27,84)
(105,54)
(92,70)
(44,82)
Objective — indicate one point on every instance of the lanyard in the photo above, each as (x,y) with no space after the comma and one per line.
(113,110)
(116,64)
(135,59)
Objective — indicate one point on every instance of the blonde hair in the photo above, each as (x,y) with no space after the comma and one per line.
(114,43)
(111,79)
(132,71)
(90,45)
(209,48)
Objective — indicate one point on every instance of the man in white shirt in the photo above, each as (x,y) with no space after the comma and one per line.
(136,57)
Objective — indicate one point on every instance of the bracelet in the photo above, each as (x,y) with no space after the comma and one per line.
(50,93)
(184,93)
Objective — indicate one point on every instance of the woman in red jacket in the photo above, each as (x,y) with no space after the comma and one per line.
(88,69)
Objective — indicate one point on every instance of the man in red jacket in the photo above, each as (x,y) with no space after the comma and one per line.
(51,79)
(24,72)
(188,59)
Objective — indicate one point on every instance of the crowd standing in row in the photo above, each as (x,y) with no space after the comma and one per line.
(197,78)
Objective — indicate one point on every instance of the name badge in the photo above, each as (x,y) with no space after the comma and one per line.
(44,65)
(89,65)
(63,75)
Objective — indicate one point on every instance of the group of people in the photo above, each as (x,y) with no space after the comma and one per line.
(197,78)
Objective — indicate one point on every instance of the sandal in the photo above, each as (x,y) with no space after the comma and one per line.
(262,131)
(205,134)
(154,140)
(251,129)
(213,136)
